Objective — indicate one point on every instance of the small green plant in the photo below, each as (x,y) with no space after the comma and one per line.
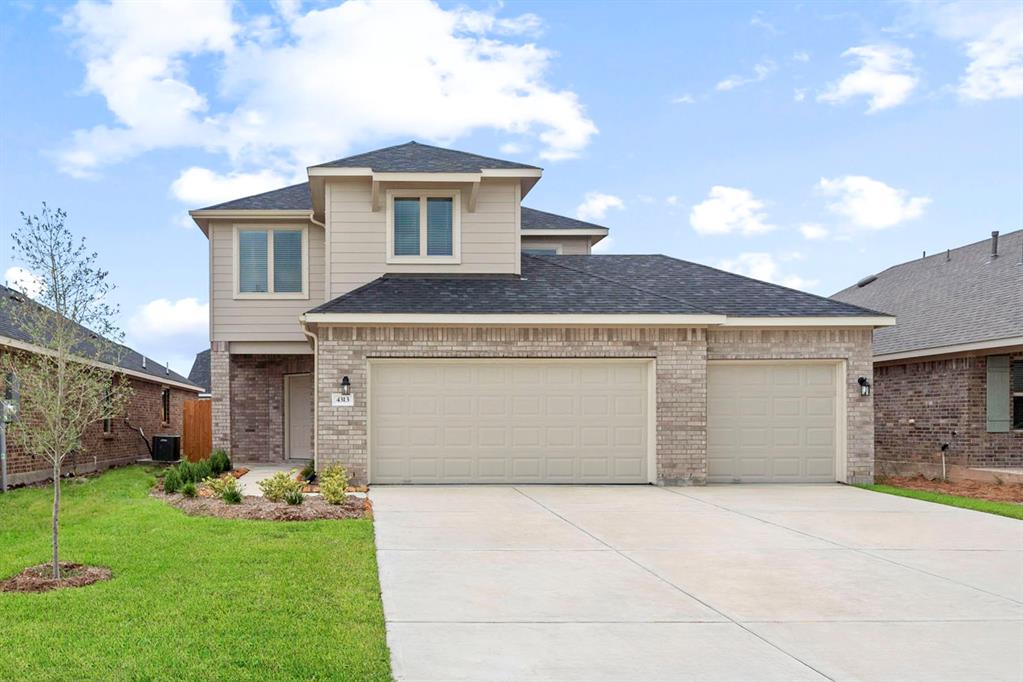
(232,496)
(203,470)
(189,490)
(333,483)
(294,497)
(220,462)
(279,485)
(186,472)
(219,485)
(308,471)
(171,481)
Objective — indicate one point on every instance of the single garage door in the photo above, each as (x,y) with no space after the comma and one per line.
(771,422)
(509,421)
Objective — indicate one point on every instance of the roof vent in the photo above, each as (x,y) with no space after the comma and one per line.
(866,280)
(994,244)
(143,362)
(948,255)
(167,371)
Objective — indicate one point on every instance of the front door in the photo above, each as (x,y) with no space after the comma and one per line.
(298,408)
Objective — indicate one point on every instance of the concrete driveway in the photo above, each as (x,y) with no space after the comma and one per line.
(718,583)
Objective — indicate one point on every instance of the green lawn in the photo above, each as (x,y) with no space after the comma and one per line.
(191,598)
(1014,511)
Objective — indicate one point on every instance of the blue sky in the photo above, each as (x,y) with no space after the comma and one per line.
(805,143)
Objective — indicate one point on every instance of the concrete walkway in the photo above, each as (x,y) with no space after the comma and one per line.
(260,471)
(718,583)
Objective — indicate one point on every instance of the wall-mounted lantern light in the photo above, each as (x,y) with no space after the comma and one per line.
(346,386)
(864,386)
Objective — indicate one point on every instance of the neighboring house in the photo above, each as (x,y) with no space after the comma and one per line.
(952,370)
(200,372)
(402,314)
(155,407)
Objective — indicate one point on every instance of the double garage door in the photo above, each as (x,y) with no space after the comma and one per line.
(591,421)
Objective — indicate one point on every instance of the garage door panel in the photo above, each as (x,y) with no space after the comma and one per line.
(510,421)
(771,422)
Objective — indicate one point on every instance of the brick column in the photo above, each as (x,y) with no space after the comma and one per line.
(220,387)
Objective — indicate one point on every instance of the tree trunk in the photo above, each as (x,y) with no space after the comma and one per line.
(56,517)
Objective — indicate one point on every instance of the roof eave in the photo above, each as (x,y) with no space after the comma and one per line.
(514,319)
(203,216)
(872,321)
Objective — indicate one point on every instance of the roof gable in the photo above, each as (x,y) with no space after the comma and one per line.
(532,219)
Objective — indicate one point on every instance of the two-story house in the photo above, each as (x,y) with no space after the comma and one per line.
(402,313)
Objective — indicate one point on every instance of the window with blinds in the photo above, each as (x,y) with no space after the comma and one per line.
(423,224)
(270,261)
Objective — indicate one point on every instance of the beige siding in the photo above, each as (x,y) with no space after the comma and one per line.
(567,246)
(358,236)
(265,319)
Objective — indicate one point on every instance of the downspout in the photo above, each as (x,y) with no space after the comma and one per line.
(316,394)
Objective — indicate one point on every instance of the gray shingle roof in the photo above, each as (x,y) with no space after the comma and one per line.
(128,358)
(413,157)
(533,219)
(587,285)
(293,198)
(200,373)
(967,298)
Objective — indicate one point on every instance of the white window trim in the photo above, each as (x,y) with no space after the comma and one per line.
(1014,394)
(556,248)
(456,226)
(250,295)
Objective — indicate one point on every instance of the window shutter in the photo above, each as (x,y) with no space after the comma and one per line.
(287,261)
(997,393)
(438,227)
(406,227)
(252,263)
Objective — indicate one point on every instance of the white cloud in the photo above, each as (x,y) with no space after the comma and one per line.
(760,72)
(991,35)
(886,76)
(813,231)
(299,87)
(163,317)
(671,200)
(202,187)
(870,203)
(758,21)
(765,267)
(604,245)
(684,99)
(799,94)
(729,210)
(645,199)
(596,205)
(19,278)
(801,56)
(512,148)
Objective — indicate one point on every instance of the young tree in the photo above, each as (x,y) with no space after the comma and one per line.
(66,376)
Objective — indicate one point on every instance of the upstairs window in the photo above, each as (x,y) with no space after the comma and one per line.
(165,404)
(271,262)
(1017,395)
(423,227)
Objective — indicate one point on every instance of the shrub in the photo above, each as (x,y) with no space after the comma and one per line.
(279,485)
(189,490)
(294,497)
(202,470)
(171,481)
(309,471)
(333,482)
(186,472)
(232,496)
(220,462)
(219,485)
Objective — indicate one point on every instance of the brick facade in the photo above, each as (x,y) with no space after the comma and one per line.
(123,445)
(681,378)
(919,403)
(255,404)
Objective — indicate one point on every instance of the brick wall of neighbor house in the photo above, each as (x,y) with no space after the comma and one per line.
(852,345)
(257,404)
(681,376)
(101,451)
(919,404)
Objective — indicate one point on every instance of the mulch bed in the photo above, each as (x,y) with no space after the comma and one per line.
(40,578)
(260,509)
(1004,492)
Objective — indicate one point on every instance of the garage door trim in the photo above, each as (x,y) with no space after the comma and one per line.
(841,414)
(650,362)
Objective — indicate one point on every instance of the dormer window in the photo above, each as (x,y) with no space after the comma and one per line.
(423,226)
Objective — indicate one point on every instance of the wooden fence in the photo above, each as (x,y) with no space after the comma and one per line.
(197,441)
